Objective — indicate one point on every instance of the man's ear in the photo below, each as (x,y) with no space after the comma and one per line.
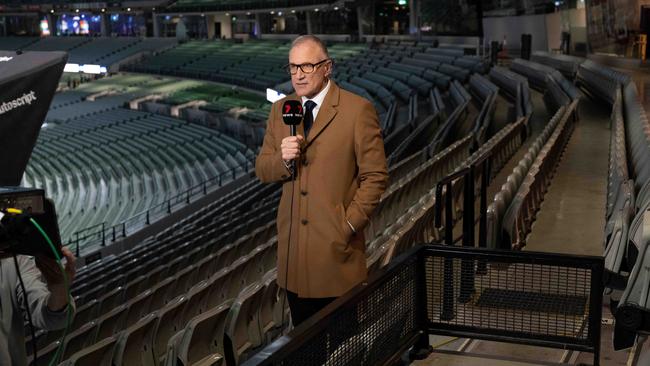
(328,72)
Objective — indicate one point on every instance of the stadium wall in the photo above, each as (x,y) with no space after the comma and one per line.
(545,28)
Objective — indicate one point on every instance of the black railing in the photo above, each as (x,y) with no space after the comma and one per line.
(103,233)
(541,299)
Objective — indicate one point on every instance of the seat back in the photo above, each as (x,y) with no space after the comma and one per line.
(135,344)
(99,354)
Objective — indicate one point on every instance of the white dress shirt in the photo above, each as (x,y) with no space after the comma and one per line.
(318,99)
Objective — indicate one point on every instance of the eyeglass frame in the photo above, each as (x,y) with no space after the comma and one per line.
(288,66)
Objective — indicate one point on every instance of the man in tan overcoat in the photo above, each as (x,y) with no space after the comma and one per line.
(340,175)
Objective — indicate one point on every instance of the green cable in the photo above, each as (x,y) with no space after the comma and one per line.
(56,356)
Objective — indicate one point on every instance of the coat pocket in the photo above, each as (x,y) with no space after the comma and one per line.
(341,243)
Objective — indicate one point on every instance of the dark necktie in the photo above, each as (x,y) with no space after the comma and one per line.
(309,116)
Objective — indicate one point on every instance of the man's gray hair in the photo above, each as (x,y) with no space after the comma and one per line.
(311,38)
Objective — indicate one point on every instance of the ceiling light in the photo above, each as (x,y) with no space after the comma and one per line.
(336,8)
(293,11)
(316,9)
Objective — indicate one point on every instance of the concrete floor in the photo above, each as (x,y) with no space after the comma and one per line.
(572,216)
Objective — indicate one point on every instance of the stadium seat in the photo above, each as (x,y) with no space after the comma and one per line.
(202,339)
(111,323)
(135,344)
(242,323)
(99,354)
(170,321)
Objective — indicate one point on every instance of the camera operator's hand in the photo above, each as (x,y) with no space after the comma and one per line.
(54,278)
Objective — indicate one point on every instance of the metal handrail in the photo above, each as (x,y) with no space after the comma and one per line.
(102,233)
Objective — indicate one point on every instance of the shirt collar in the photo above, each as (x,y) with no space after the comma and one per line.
(320,97)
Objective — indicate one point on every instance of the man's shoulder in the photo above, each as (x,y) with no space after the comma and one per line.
(350,99)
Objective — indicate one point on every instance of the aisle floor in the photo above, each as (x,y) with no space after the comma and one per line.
(572,217)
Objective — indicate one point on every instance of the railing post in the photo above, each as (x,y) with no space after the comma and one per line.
(114,233)
(148,222)
(481,266)
(187,200)
(422,347)
(205,188)
(467,266)
(103,234)
(448,276)
(124,229)
(78,242)
(169,206)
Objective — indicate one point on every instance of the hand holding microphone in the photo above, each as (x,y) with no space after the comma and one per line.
(291,147)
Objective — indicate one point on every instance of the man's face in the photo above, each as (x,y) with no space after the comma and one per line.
(308,85)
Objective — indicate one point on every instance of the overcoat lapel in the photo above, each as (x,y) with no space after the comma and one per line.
(326,113)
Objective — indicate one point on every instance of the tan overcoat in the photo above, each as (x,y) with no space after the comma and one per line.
(341,174)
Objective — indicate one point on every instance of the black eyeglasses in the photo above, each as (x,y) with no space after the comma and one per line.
(305,68)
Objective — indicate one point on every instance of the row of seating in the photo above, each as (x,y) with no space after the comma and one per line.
(415,224)
(457,125)
(558,91)
(566,64)
(628,201)
(630,207)
(451,56)
(518,219)
(419,137)
(405,191)
(417,175)
(513,210)
(600,82)
(620,207)
(514,88)
(484,94)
